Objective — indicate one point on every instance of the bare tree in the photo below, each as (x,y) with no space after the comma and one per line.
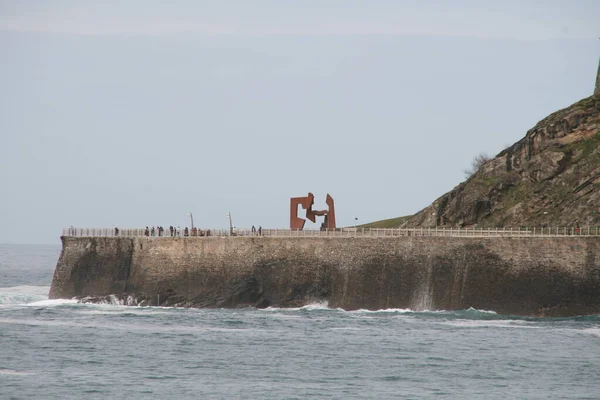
(476,164)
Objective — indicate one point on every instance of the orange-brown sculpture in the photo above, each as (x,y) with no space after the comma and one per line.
(307,202)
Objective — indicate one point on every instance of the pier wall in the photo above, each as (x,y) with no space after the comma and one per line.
(542,276)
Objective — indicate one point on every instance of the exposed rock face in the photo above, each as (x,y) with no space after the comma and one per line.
(524,276)
(597,89)
(551,177)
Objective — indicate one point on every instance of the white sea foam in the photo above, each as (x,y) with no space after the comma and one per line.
(592,331)
(325,306)
(36,322)
(482,311)
(470,323)
(52,303)
(346,328)
(322,305)
(13,372)
(110,309)
(421,312)
(385,310)
(21,295)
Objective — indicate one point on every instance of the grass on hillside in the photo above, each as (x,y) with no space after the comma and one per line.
(523,191)
(386,223)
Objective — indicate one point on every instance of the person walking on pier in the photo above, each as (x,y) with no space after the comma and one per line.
(146,232)
(171,229)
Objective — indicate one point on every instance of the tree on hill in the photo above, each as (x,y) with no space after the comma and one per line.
(476,164)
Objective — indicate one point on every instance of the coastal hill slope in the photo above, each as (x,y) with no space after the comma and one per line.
(551,177)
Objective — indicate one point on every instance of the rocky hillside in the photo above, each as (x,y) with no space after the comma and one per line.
(551,177)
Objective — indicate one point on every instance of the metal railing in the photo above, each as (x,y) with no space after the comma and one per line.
(343,232)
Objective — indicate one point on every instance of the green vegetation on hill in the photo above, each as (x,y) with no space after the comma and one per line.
(386,223)
(551,177)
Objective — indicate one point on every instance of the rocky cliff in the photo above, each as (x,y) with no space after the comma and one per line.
(597,89)
(541,276)
(551,177)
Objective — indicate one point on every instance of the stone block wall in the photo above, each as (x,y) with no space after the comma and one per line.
(523,276)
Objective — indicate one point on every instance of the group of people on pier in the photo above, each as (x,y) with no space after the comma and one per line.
(175,231)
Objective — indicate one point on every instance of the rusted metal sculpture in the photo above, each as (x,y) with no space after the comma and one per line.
(297,223)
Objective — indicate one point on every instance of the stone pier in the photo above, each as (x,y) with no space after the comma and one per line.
(538,276)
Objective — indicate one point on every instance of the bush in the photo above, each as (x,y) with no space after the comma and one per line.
(476,164)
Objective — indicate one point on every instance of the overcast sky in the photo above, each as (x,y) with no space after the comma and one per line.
(135,113)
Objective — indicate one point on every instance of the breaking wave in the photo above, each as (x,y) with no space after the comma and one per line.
(321,305)
(53,302)
(451,317)
(470,313)
(22,295)
(112,300)
(38,296)
(592,331)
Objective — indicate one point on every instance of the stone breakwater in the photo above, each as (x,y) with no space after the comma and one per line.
(540,276)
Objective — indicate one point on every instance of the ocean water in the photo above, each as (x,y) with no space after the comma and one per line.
(59,349)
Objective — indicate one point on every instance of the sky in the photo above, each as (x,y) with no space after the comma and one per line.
(136,113)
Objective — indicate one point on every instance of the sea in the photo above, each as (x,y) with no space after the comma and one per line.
(60,349)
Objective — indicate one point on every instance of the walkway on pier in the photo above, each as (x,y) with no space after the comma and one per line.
(346,232)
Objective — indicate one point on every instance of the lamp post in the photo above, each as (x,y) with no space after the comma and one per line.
(355,219)
(191,219)
(230,224)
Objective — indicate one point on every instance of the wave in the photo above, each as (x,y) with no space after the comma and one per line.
(22,295)
(320,306)
(323,305)
(592,331)
(458,318)
(470,313)
(387,311)
(112,300)
(37,296)
(502,323)
(471,309)
(53,302)
(4,371)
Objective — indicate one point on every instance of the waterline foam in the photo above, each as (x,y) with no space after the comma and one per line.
(22,295)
